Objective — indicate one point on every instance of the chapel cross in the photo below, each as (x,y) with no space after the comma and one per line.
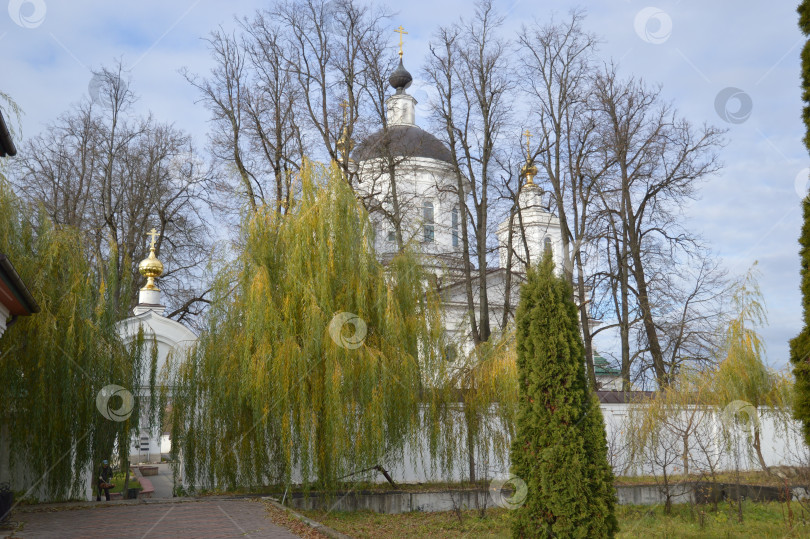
(154,233)
(528,144)
(400,31)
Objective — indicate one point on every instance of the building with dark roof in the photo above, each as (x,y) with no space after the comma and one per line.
(15,299)
(401,141)
(405,171)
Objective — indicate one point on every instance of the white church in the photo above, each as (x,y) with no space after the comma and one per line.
(424,188)
(426,193)
(171,338)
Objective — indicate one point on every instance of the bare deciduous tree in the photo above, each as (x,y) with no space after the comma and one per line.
(470,68)
(558,70)
(656,159)
(115,176)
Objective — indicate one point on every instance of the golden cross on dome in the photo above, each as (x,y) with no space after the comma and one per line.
(529,170)
(528,136)
(154,233)
(345,106)
(400,31)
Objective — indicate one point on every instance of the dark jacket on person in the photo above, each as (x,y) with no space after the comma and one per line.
(104,474)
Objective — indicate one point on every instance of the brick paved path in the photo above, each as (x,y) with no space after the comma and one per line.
(216,518)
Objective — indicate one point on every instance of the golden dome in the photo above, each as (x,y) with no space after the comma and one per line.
(150,267)
(529,171)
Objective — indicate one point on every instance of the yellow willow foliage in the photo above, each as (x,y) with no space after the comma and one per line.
(742,373)
(278,390)
(679,410)
(54,363)
(473,405)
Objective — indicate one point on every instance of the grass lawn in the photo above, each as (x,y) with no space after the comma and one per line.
(761,520)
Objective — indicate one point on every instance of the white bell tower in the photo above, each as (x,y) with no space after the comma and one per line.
(534,229)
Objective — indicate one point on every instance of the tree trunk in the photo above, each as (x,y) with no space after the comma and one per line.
(758,448)
(661,374)
(465,250)
(624,330)
(470,443)
(481,245)
(584,321)
(507,296)
(125,491)
(635,249)
(685,457)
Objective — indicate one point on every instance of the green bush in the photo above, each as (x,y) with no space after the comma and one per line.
(559,448)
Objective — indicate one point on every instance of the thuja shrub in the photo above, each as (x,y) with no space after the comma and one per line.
(559,450)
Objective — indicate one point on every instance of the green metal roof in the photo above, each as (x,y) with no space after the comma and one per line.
(602,368)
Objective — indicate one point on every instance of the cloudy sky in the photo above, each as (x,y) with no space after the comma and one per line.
(719,62)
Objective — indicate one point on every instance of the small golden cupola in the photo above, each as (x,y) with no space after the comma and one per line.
(528,170)
(150,267)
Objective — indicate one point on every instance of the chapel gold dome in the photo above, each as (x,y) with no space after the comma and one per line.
(529,171)
(151,266)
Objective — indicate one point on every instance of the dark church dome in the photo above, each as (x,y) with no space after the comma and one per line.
(400,79)
(402,141)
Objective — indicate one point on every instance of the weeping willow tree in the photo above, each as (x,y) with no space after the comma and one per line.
(743,383)
(670,434)
(317,360)
(477,407)
(54,363)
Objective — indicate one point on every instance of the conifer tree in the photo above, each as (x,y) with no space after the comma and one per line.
(800,345)
(560,448)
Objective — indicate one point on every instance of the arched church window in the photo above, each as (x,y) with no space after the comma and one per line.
(547,245)
(392,235)
(454,225)
(427,221)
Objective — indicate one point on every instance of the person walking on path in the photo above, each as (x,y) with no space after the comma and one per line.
(104,477)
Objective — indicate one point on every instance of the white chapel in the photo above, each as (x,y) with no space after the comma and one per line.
(171,338)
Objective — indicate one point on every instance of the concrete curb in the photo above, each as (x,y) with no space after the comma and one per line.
(68,506)
(326,530)
(147,490)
